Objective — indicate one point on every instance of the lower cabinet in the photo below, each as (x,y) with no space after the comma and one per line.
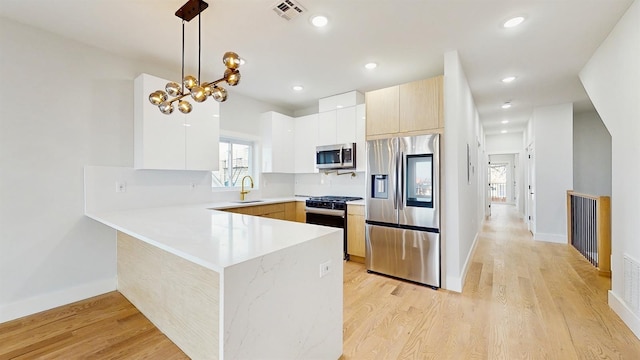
(283,211)
(355,233)
(301,214)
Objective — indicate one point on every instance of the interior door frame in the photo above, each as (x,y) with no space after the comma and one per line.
(530,189)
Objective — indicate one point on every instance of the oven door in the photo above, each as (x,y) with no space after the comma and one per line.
(329,217)
(326,217)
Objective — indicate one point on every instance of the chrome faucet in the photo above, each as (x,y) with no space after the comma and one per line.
(243,192)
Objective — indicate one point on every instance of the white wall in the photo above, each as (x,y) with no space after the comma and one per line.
(553,158)
(612,80)
(65,105)
(591,155)
(460,197)
(509,143)
(241,114)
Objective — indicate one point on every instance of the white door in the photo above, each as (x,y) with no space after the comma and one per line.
(531,190)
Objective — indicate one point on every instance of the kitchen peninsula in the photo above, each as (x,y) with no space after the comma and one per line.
(228,286)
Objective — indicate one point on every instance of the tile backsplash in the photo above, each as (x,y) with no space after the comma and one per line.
(149,188)
(330,184)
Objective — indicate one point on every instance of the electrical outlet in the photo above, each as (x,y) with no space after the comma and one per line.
(325,268)
(121,186)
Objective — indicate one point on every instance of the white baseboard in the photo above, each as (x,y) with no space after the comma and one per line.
(628,317)
(455,283)
(54,299)
(553,238)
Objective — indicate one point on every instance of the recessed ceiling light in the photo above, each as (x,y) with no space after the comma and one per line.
(339,106)
(506,105)
(319,21)
(298,88)
(503,131)
(513,22)
(508,79)
(505,121)
(216,115)
(370,66)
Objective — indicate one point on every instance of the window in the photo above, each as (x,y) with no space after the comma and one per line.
(236,158)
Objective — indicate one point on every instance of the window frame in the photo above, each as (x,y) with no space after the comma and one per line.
(239,139)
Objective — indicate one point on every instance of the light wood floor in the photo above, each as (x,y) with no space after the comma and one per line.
(522,300)
(103,327)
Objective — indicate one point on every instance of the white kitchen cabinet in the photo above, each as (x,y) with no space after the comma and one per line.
(346,125)
(327,128)
(351,98)
(277,143)
(176,141)
(361,138)
(337,126)
(304,143)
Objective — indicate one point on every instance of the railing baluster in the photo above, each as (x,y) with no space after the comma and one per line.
(585,217)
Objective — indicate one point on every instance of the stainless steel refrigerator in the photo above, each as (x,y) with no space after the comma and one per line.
(403,208)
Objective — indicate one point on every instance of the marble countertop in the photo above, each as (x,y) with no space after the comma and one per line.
(211,238)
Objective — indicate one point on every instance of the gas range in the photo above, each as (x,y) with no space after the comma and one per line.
(330,202)
(330,211)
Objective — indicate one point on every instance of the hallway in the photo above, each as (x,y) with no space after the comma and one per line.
(521,299)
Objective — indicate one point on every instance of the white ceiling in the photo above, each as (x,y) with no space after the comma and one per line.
(407,38)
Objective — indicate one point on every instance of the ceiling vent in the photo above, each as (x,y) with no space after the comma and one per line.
(288,9)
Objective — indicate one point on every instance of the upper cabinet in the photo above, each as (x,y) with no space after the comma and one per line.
(411,108)
(304,144)
(383,115)
(337,118)
(351,98)
(421,105)
(289,144)
(176,141)
(361,141)
(277,142)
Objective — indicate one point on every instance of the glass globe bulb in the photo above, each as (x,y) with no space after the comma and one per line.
(219,94)
(232,76)
(166,108)
(184,107)
(173,89)
(231,60)
(208,89)
(197,93)
(190,82)
(157,97)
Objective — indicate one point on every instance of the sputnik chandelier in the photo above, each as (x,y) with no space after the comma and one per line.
(191,85)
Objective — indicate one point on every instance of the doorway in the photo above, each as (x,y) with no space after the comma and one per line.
(504,177)
(498,182)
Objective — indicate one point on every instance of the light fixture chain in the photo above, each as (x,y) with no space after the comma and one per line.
(199,38)
(182,75)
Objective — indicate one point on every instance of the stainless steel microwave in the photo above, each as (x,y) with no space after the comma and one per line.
(340,156)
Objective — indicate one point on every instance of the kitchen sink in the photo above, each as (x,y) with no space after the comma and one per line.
(247,201)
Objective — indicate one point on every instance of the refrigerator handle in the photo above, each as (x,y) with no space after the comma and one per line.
(401,182)
(395,190)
